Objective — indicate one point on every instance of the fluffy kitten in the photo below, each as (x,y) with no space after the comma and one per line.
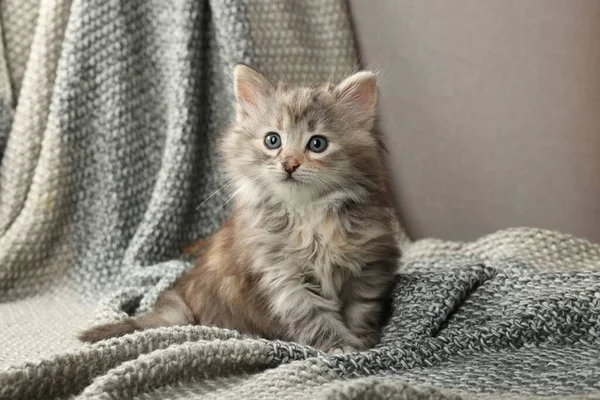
(309,254)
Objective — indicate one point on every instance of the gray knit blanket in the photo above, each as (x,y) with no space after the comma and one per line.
(109,111)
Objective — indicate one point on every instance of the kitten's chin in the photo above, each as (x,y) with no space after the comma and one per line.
(293,191)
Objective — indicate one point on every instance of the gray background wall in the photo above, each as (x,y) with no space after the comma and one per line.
(491,111)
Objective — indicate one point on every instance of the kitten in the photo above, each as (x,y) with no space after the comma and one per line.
(309,254)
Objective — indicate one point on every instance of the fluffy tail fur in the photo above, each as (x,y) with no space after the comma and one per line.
(170,310)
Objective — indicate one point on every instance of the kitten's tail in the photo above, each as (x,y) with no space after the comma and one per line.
(170,310)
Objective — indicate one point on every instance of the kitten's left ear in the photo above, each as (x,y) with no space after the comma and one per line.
(358,93)
(250,87)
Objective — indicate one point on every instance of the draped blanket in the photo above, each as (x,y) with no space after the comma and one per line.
(109,112)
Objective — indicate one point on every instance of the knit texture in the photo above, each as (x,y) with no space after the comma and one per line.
(108,119)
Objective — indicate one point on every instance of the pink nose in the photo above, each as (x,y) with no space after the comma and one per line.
(290,166)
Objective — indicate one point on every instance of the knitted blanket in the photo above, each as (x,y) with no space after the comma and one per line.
(109,111)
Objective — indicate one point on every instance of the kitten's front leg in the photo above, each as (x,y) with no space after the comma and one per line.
(366,299)
(311,319)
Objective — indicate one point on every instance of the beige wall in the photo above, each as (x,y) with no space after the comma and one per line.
(491,110)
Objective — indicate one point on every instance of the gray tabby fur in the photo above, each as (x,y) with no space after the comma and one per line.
(310,253)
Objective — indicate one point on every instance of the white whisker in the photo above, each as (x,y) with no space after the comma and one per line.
(222,205)
(227,200)
(215,192)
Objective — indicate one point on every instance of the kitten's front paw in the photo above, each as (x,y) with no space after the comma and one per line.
(369,339)
(336,351)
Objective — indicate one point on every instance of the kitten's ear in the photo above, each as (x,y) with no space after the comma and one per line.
(249,87)
(358,93)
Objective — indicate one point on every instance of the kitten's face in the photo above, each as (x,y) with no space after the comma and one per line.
(302,144)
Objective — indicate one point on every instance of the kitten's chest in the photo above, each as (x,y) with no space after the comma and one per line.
(317,239)
(319,251)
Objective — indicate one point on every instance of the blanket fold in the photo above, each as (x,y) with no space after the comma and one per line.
(109,115)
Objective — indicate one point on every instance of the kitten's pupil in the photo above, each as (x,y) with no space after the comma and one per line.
(317,144)
(272,140)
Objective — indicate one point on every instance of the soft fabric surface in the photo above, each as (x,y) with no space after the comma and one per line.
(108,119)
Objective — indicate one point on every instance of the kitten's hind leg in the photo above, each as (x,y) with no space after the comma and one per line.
(170,310)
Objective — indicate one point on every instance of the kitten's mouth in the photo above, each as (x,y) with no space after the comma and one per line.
(290,179)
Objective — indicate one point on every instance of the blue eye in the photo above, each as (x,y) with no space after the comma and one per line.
(272,141)
(317,144)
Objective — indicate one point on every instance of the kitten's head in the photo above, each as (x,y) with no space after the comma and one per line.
(303,144)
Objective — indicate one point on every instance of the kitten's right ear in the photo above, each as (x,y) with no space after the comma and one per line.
(358,93)
(250,87)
